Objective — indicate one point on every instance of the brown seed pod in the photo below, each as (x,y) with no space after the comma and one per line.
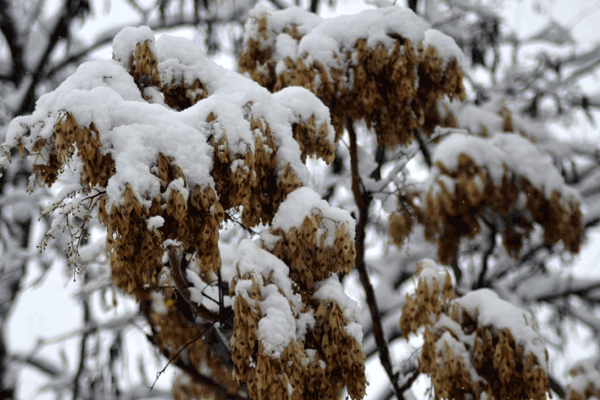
(368,79)
(468,350)
(468,189)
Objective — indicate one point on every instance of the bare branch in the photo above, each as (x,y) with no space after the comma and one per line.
(42,365)
(363,200)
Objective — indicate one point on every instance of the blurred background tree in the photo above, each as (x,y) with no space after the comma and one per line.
(513,83)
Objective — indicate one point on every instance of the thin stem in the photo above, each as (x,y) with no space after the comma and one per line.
(87,320)
(423,147)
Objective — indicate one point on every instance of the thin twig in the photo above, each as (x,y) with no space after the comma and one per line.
(176,355)
(87,320)
(423,147)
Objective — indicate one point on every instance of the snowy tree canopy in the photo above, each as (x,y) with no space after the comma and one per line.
(354,190)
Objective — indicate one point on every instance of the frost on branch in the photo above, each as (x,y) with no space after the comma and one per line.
(476,344)
(298,338)
(585,382)
(384,66)
(504,181)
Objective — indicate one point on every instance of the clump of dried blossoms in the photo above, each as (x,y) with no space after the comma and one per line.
(164,146)
(476,344)
(502,181)
(384,66)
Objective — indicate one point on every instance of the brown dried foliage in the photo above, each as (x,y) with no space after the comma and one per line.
(257,186)
(451,215)
(425,302)
(329,359)
(313,140)
(68,135)
(404,218)
(507,373)
(503,370)
(308,257)
(143,67)
(384,90)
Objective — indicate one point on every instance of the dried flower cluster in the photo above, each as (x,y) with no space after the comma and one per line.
(402,220)
(307,254)
(474,345)
(307,348)
(170,145)
(388,76)
(492,182)
(585,380)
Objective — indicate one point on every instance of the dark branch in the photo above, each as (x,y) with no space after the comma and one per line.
(38,363)
(484,267)
(87,320)
(363,200)
(423,147)
(556,387)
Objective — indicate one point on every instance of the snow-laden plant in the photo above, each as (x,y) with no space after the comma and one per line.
(477,345)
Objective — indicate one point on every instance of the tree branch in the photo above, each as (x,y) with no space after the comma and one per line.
(423,147)
(484,267)
(40,364)
(556,387)
(363,201)
(83,345)
(182,284)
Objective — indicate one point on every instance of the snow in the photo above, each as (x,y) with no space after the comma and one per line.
(302,106)
(446,46)
(282,317)
(127,39)
(331,289)
(304,202)
(548,286)
(155,222)
(91,252)
(232,97)
(590,374)
(431,273)
(277,326)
